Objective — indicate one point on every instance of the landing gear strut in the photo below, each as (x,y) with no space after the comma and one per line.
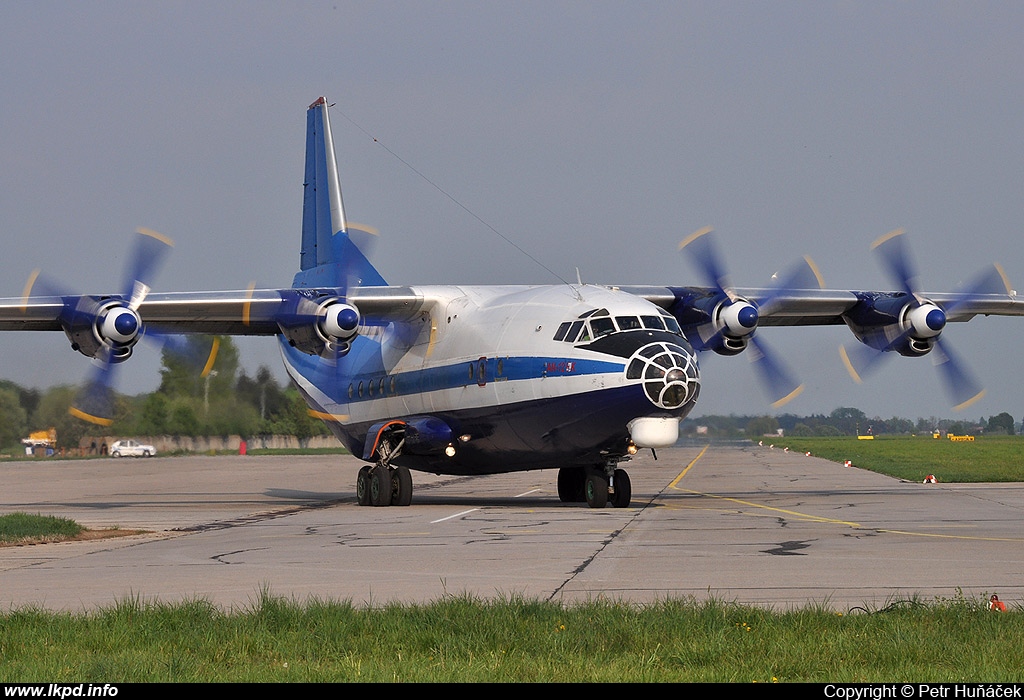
(382,484)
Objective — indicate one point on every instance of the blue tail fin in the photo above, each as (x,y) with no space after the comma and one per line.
(328,257)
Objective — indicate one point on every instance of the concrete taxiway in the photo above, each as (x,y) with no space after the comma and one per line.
(747,524)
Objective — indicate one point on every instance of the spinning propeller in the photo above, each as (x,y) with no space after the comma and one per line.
(324,322)
(107,328)
(918,323)
(734,319)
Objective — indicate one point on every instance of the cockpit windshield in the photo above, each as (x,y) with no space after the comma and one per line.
(597,323)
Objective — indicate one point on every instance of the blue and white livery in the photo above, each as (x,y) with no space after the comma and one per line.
(490,379)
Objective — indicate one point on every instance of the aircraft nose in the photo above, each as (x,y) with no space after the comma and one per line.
(668,372)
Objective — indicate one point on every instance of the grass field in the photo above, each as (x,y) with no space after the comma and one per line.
(465,640)
(995,458)
(24,528)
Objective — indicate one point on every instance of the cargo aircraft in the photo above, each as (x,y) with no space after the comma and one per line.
(489,379)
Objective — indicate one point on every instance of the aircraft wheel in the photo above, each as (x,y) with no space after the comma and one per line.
(380,486)
(570,484)
(597,489)
(622,492)
(363,486)
(401,486)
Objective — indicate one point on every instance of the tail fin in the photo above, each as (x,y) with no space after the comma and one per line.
(328,257)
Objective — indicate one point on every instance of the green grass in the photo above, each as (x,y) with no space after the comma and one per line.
(16,528)
(460,639)
(986,459)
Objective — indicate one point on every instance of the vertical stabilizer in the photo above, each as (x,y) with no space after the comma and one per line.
(323,213)
(328,257)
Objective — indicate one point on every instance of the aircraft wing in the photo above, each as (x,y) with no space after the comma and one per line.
(107,327)
(242,312)
(827,307)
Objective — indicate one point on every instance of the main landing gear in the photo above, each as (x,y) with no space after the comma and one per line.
(382,484)
(598,485)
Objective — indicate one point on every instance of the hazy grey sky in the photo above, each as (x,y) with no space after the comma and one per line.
(595,135)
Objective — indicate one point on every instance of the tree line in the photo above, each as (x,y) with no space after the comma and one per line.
(227,401)
(844,421)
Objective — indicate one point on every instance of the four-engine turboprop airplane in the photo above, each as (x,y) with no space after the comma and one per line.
(490,379)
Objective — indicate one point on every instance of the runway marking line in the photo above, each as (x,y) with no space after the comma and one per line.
(816,518)
(457,515)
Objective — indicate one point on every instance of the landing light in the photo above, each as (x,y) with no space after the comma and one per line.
(464,438)
(631,448)
(450,450)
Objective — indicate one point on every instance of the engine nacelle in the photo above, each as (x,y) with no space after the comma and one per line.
(728,326)
(110,326)
(322,325)
(898,323)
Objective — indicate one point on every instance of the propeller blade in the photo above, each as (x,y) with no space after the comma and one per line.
(779,384)
(961,386)
(861,360)
(148,253)
(895,256)
(95,400)
(992,280)
(702,247)
(353,250)
(802,276)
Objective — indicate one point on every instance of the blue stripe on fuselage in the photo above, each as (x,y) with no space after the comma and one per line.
(363,364)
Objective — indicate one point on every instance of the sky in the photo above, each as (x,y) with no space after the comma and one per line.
(593,136)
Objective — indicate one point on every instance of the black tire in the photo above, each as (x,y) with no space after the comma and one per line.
(363,487)
(597,489)
(622,491)
(570,484)
(401,486)
(380,486)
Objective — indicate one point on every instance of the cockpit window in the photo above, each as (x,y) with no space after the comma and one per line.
(653,322)
(602,326)
(670,322)
(598,323)
(574,331)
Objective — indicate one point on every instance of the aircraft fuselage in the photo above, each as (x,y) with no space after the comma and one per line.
(510,378)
